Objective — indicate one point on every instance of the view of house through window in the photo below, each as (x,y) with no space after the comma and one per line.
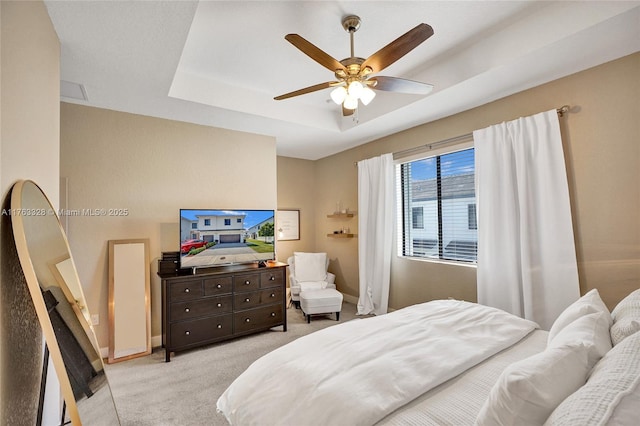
(438,206)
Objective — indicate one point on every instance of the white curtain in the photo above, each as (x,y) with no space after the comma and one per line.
(526,251)
(375,226)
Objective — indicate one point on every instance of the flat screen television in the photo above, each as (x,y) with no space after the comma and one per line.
(217,237)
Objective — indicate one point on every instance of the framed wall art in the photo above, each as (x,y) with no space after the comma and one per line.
(288,225)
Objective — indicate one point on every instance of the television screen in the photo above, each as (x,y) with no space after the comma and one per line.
(217,237)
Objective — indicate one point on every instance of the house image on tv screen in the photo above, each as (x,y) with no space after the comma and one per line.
(262,231)
(220,228)
(222,237)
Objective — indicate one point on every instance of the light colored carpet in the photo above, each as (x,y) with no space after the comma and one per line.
(148,391)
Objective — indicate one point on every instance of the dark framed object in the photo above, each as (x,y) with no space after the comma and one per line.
(288,225)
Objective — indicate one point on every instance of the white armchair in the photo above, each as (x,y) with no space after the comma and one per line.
(308,271)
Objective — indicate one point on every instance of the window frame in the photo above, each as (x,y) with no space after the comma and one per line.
(420,153)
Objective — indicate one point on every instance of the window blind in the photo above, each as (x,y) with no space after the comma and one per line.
(437,206)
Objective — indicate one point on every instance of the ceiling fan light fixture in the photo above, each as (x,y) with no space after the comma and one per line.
(339,94)
(367,95)
(350,102)
(355,89)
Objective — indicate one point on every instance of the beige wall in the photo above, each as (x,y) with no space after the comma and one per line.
(296,191)
(152,167)
(603,161)
(29,149)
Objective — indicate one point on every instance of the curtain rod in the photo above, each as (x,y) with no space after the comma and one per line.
(564,109)
(561,112)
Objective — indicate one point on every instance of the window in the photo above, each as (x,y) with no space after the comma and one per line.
(418,218)
(238,220)
(207,222)
(227,222)
(194,225)
(471,213)
(438,207)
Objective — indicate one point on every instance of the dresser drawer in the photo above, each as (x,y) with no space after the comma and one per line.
(221,285)
(272,278)
(271,295)
(262,317)
(187,333)
(246,282)
(186,290)
(256,298)
(202,307)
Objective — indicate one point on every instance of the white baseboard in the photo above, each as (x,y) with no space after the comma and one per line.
(349,298)
(156,341)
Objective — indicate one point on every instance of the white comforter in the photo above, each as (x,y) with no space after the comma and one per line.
(357,372)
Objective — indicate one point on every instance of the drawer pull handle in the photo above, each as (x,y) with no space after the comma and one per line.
(219,325)
(187,332)
(186,290)
(273,314)
(246,300)
(247,282)
(273,295)
(187,309)
(272,278)
(219,305)
(247,320)
(219,286)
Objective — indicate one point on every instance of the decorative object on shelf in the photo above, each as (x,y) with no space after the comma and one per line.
(344,231)
(288,225)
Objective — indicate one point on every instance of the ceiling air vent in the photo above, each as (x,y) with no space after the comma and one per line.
(72,91)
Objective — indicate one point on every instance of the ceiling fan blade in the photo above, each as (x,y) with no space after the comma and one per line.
(398,48)
(306,90)
(314,52)
(347,112)
(401,85)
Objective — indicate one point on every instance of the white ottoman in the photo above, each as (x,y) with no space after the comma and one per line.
(324,301)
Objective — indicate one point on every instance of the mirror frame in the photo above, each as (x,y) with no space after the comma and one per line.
(35,290)
(117,270)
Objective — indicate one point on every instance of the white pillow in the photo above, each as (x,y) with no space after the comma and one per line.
(592,330)
(610,394)
(310,266)
(589,303)
(624,328)
(626,317)
(528,391)
(630,305)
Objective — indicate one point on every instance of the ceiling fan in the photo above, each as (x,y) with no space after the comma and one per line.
(354,76)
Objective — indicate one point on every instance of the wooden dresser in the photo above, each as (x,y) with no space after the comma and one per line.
(221,303)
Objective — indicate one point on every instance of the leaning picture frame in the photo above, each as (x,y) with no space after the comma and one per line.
(288,225)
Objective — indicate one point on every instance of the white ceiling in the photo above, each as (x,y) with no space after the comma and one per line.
(220,63)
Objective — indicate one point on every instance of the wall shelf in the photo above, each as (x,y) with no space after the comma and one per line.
(340,215)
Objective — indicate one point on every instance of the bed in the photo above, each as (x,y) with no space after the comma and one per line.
(451,362)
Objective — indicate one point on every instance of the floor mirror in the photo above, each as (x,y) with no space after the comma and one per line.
(61,307)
